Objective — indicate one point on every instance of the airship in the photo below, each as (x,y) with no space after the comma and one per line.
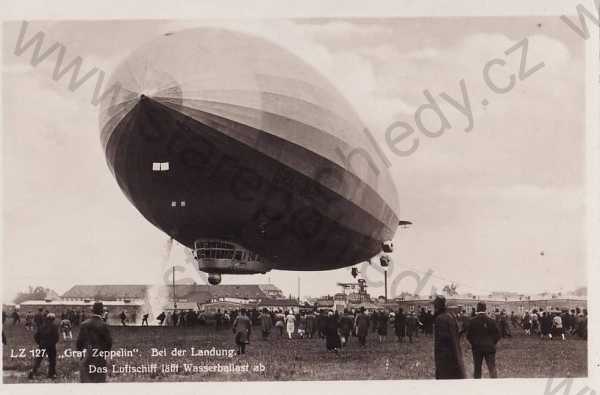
(245,154)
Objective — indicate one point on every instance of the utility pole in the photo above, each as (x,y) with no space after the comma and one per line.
(174,298)
(385,284)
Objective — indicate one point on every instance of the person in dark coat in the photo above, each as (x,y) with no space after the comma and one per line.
(46,337)
(535,322)
(362,326)
(514,322)
(412,326)
(38,319)
(582,326)
(400,325)
(279,322)
(374,318)
(266,323)
(181,318)
(161,318)
(94,336)
(321,321)
(332,336)
(3,334)
(428,323)
(16,317)
(463,322)
(504,326)
(422,317)
(123,317)
(566,319)
(483,334)
(311,325)
(346,326)
(218,319)
(546,325)
(447,351)
(381,321)
(242,327)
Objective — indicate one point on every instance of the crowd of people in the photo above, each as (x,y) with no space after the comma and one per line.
(192,318)
(481,328)
(557,324)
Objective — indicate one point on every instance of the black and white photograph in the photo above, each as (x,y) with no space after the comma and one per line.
(295,197)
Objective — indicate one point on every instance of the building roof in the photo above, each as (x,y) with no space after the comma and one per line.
(107,292)
(325,303)
(227,304)
(369,305)
(198,296)
(242,291)
(193,292)
(76,303)
(278,302)
(183,306)
(52,295)
(269,288)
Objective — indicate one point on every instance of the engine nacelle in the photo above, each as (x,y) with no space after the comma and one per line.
(214,278)
(387,246)
(385,260)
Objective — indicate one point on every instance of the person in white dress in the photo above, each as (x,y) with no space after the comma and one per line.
(290,321)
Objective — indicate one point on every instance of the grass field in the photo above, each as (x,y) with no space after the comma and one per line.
(295,359)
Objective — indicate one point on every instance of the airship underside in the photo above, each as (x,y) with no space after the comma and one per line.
(242,152)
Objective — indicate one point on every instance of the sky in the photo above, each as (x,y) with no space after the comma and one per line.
(500,207)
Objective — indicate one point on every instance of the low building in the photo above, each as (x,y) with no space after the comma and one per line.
(220,306)
(84,307)
(106,292)
(180,291)
(279,305)
(271,291)
(552,303)
(183,306)
(325,304)
(518,305)
(135,300)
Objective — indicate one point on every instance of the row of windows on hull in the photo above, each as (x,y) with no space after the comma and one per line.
(160,166)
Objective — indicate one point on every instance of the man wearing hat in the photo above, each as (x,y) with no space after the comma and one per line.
(332,336)
(94,336)
(412,325)
(483,334)
(242,327)
(361,323)
(46,336)
(447,351)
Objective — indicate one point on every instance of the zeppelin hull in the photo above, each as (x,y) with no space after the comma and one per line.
(234,192)
(215,134)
